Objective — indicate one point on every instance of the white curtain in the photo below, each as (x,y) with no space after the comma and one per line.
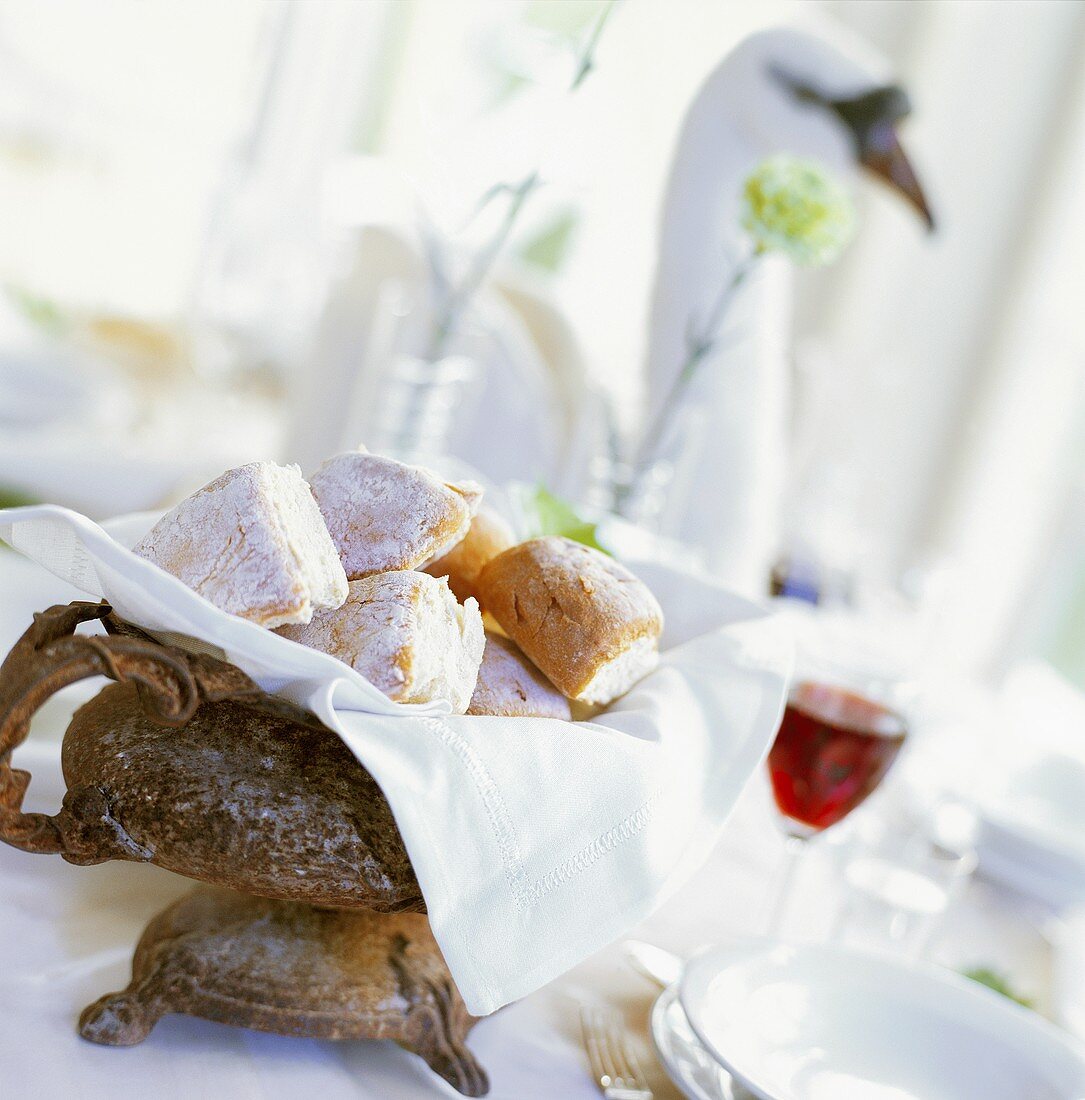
(968,350)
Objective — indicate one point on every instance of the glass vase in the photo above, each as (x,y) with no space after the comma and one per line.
(652,491)
(419,400)
(411,400)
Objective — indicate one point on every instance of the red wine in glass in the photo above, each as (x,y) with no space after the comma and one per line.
(833,749)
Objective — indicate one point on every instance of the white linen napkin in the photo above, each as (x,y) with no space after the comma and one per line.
(536,842)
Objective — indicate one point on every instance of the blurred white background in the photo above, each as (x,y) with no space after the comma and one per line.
(180,184)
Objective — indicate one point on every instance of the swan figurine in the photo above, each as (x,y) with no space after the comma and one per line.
(810,93)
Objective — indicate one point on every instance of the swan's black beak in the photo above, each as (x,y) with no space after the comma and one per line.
(872,119)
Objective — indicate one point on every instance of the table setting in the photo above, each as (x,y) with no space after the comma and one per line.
(783,919)
(436,727)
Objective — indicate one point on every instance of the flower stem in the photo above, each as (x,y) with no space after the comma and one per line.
(587,59)
(480,267)
(697,350)
(461,295)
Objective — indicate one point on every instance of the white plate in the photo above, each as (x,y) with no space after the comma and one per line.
(824,1023)
(1026,776)
(1017,857)
(1032,829)
(696,1073)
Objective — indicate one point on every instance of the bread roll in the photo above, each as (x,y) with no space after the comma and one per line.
(510,686)
(406,634)
(587,623)
(252,542)
(487,537)
(384,515)
(491,625)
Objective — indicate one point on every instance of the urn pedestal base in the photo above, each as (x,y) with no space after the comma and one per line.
(293,969)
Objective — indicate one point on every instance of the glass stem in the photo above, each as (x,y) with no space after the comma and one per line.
(783,882)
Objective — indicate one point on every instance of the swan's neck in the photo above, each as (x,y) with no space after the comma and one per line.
(701,244)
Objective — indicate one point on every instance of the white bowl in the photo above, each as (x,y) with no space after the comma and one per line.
(825,1023)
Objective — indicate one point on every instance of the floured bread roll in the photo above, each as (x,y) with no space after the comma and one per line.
(487,537)
(588,624)
(510,686)
(385,515)
(252,542)
(406,634)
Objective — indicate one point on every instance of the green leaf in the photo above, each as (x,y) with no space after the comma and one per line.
(570,19)
(550,515)
(549,247)
(998,982)
(41,312)
(13,498)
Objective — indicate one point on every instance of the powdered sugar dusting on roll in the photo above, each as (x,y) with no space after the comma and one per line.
(406,634)
(384,515)
(509,686)
(254,544)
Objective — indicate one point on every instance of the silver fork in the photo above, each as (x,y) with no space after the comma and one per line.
(613,1063)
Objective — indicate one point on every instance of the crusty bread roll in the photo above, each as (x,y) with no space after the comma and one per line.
(487,537)
(587,623)
(510,686)
(406,634)
(252,542)
(385,515)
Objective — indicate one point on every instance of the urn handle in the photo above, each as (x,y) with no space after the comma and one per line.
(48,657)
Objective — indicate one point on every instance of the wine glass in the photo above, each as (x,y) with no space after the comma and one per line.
(842,729)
